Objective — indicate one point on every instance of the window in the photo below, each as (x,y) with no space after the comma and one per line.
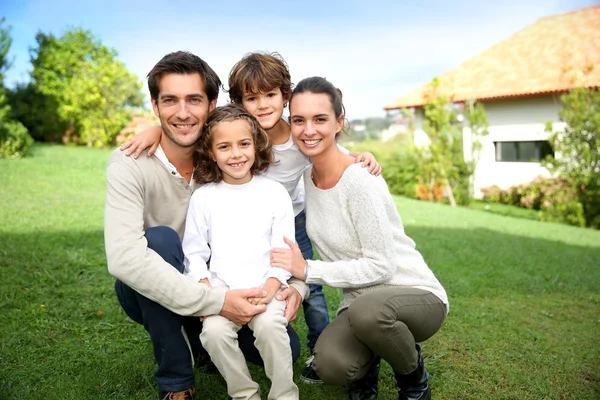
(532,151)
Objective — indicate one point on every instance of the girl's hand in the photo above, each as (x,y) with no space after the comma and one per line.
(271,286)
(368,160)
(148,138)
(289,259)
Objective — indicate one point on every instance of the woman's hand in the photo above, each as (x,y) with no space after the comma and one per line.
(289,259)
(368,160)
(148,138)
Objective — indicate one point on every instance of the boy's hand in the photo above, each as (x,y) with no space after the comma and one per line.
(368,160)
(149,137)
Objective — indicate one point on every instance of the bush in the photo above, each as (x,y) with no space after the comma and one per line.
(14,139)
(399,162)
(554,197)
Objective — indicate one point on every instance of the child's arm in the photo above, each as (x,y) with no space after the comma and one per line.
(195,241)
(368,160)
(148,138)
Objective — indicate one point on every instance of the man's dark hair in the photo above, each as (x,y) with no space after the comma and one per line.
(184,62)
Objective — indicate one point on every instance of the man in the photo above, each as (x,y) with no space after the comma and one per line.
(146,204)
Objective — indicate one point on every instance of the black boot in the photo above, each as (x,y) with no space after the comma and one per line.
(414,385)
(366,387)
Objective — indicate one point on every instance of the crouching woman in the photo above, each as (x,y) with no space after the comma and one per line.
(391,299)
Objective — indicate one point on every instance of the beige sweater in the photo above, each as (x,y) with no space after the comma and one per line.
(357,231)
(142,193)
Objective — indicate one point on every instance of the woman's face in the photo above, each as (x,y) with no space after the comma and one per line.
(313,123)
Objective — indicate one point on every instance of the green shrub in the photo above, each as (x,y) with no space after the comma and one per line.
(556,199)
(399,162)
(14,139)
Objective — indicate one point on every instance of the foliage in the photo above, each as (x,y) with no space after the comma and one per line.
(399,162)
(577,153)
(442,160)
(555,198)
(93,92)
(14,138)
(37,111)
(524,300)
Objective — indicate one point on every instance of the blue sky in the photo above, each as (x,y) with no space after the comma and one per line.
(374,51)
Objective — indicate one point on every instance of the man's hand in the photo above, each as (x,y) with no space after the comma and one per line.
(292,299)
(238,309)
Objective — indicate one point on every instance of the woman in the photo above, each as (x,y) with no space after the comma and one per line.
(391,299)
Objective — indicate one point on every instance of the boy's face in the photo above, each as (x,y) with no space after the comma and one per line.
(182,107)
(266,107)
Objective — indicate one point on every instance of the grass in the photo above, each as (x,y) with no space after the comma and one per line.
(506,210)
(524,318)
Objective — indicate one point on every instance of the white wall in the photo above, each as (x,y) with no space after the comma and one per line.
(512,120)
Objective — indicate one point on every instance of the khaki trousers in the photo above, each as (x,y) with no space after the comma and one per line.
(219,338)
(383,323)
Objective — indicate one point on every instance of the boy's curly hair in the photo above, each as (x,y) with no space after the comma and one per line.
(259,73)
(205,169)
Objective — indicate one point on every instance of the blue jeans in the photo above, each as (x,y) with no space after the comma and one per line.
(175,371)
(316,313)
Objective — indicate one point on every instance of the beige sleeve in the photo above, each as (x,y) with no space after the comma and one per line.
(300,286)
(128,256)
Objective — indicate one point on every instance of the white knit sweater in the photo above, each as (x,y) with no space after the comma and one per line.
(357,231)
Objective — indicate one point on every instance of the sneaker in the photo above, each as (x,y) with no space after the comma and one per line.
(309,375)
(184,395)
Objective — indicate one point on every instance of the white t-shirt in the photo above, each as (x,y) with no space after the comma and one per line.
(236,227)
(287,169)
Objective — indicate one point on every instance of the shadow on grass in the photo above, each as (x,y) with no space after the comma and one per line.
(62,332)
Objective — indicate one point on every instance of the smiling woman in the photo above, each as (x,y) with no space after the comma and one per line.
(391,299)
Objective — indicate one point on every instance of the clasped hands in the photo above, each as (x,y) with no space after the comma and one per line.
(241,305)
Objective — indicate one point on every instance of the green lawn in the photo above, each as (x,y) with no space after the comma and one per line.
(524,317)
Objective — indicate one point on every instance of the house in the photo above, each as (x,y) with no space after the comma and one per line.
(519,81)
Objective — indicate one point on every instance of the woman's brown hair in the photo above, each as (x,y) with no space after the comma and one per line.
(206,169)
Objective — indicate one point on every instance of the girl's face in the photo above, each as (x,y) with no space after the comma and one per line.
(233,150)
(313,123)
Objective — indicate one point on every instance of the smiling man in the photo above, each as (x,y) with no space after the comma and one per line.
(146,203)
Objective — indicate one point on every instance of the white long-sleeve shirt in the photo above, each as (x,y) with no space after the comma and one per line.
(236,227)
(357,231)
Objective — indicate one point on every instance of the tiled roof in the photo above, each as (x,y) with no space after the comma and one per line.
(546,57)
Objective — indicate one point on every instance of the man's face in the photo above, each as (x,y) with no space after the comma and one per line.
(182,107)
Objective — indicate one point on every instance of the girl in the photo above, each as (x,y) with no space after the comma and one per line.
(235,219)
(391,299)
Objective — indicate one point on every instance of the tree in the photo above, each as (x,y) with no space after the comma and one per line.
(444,169)
(14,138)
(577,149)
(93,92)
